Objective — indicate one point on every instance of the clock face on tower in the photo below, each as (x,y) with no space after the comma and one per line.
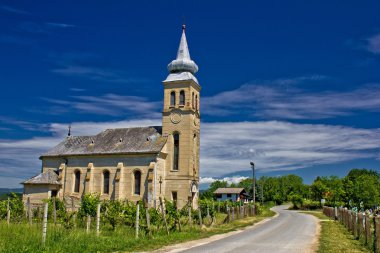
(176,116)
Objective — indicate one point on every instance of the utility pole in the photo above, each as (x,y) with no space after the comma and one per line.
(253,184)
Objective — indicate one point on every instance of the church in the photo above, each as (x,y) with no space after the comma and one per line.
(135,164)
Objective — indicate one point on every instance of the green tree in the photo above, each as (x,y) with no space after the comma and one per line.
(247,185)
(362,185)
(209,193)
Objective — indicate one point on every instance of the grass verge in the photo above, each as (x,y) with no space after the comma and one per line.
(334,237)
(23,238)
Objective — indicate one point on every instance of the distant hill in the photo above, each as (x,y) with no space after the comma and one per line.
(5,191)
(8,190)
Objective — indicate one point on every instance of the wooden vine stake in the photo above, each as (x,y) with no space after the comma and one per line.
(97,219)
(190,220)
(29,211)
(44,224)
(54,212)
(179,221)
(137,220)
(164,215)
(228,214)
(148,221)
(200,216)
(88,226)
(8,212)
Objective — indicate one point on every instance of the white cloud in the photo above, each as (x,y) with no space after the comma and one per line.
(226,147)
(11,182)
(280,99)
(81,64)
(229,180)
(19,158)
(108,104)
(96,74)
(207,180)
(373,45)
(13,10)
(60,25)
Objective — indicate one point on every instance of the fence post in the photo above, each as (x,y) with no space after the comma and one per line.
(377,234)
(8,212)
(148,221)
(164,215)
(350,221)
(88,225)
(44,224)
(54,212)
(137,220)
(97,219)
(200,216)
(367,229)
(356,234)
(190,220)
(29,211)
(359,225)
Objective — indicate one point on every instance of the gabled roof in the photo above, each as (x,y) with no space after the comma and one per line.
(48,177)
(112,141)
(229,190)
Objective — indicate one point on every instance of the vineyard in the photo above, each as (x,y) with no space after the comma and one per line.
(115,225)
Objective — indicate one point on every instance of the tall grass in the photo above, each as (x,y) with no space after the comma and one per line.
(20,237)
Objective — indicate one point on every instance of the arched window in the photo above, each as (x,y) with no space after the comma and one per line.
(192,100)
(172,98)
(106,182)
(182,97)
(76,180)
(196,102)
(137,176)
(176,151)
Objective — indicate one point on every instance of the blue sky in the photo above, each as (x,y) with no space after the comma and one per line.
(291,85)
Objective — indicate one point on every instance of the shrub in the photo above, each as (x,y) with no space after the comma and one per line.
(309,204)
(89,205)
(15,205)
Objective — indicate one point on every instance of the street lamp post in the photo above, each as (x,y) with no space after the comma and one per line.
(253,184)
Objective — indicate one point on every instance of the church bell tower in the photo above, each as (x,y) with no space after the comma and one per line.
(181,123)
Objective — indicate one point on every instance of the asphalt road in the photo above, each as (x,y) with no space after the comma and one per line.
(290,231)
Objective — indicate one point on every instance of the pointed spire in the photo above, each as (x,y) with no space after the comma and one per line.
(69,133)
(183,62)
(183,50)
